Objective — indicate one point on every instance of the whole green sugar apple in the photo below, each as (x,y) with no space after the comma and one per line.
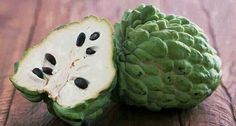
(164,61)
(72,70)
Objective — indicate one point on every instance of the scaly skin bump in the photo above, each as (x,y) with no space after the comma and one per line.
(164,61)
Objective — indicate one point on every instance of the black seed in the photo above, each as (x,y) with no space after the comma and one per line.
(50,58)
(38,72)
(90,51)
(47,70)
(81,83)
(80,40)
(94,36)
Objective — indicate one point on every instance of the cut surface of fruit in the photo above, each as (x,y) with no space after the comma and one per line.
(74,63)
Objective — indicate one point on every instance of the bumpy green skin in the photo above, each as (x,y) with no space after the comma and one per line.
(88,110)
(164,61)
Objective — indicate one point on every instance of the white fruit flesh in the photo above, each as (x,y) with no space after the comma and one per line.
(71,62)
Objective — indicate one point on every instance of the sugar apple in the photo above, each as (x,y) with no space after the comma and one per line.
(72,70)
(164,61)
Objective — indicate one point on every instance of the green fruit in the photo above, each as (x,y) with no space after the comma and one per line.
(72,70)
(164,61)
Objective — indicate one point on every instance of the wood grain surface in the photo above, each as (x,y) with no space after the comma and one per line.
(25,23)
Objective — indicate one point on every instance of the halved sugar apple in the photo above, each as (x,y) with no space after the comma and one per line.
(72,70)
(164,61)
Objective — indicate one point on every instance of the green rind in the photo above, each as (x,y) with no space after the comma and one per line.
(88,110)
(33,96)
(164,61)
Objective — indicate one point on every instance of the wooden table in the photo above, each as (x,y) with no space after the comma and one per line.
(25,23)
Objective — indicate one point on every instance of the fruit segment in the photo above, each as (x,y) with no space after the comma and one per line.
(70,69)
